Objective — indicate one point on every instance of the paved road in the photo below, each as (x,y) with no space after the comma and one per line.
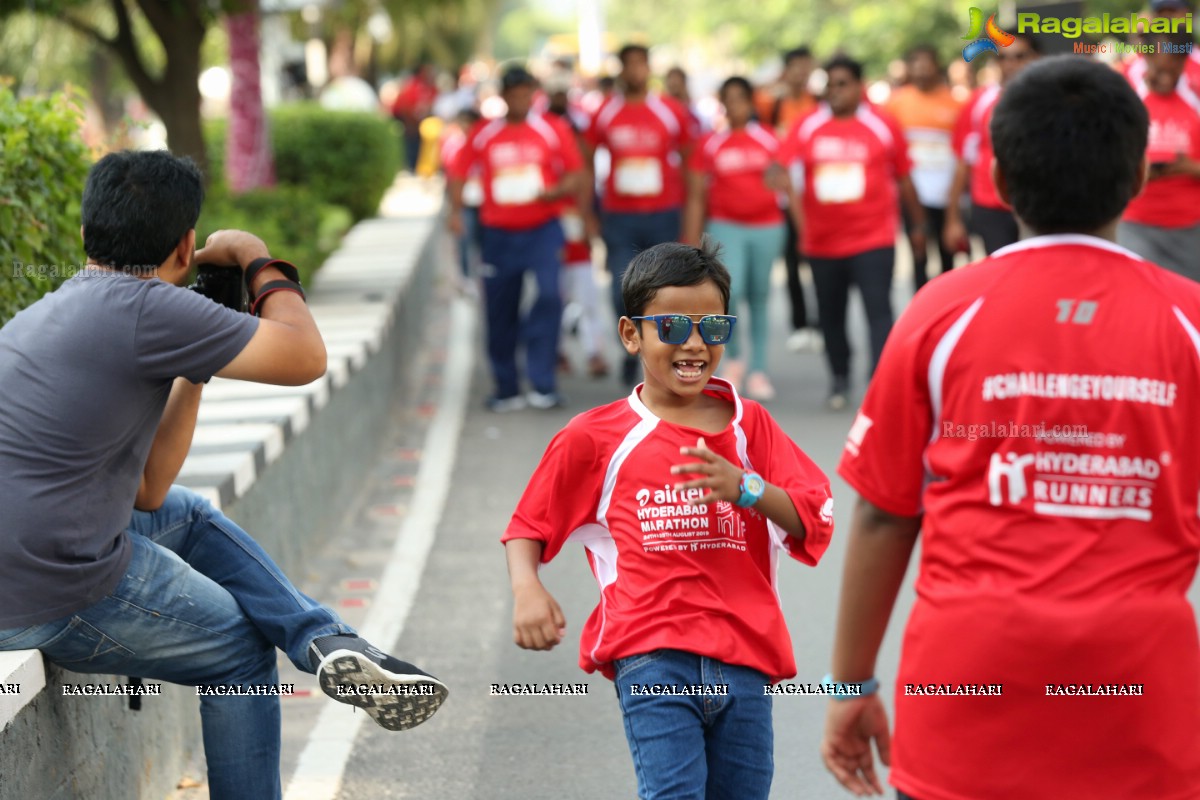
(482,747)
(487,747)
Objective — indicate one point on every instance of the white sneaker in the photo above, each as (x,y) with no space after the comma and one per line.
(503,405)
(545,401)
(806,340)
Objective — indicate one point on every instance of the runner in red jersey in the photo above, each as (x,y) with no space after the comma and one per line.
(731,197)
(1162,223)
(1135,66)
(1043,448)
(990,219)
(856,171)
(528,164)
(648,137)
(683,535)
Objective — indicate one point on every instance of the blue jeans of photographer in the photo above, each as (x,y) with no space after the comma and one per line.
(701,746)
(201,604)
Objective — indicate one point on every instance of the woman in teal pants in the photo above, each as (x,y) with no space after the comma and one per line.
(732,199)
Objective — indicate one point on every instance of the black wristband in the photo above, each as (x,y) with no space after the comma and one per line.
(270,288)
(258,264)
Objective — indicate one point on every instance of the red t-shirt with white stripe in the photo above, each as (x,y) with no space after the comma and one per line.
(850,167)
(517,162)
(1174,201)
(1039,409)
(735,163)
(1134,70)
(972,143)
(647,141)
(697,579)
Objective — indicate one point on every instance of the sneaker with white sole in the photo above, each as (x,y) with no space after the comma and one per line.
(503,405)
(396,694)
(839,394)
(545,401)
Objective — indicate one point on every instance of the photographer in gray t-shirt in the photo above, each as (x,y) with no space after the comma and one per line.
(105,566)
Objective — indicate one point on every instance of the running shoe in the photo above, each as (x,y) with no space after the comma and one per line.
(396,694)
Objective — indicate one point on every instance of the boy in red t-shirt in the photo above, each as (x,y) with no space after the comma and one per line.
(1162,223)
(1033,418)
(684,497)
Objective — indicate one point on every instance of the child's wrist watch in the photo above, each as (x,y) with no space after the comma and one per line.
(752,488)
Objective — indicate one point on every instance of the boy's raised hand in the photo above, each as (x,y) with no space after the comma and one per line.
(538,622)
(721,478)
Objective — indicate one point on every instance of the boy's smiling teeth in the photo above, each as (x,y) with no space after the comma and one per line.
(689,369)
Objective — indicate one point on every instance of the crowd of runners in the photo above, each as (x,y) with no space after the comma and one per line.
(822,167)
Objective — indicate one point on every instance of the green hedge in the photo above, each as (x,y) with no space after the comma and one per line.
(294,224)
(344,158)
(43,166)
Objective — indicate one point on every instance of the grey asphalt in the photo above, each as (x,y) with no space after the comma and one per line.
(484,747)
(488,747)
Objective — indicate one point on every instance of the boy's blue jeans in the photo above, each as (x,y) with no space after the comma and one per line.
(201,604)
(702,747)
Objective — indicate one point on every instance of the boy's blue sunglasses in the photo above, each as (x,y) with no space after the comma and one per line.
(715,329)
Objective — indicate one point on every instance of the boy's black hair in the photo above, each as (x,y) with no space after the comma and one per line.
(136,207)
(672,264)
(735,80)
(796,52)
(631,48)
(516,76)
(1069,134)
(847,63)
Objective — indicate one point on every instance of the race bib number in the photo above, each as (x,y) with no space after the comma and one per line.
(473,193)
(638,177)
(520,185)
(929,154)
(839,182)
(572,225)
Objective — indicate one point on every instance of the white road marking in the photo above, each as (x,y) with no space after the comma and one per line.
(318,774)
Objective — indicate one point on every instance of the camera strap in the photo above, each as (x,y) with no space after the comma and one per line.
(259,264)
(272,287)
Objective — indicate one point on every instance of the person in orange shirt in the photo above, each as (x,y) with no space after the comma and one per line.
(777,108)
(927,110)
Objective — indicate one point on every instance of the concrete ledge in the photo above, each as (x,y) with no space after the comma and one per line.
(284,463)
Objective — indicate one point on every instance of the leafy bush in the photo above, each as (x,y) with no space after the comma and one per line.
(295,225)
(345,158)
(43,166)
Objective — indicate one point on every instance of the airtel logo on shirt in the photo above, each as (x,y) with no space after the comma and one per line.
(667,495)
(835,148)
(738,160)
(627,137)
(514,153)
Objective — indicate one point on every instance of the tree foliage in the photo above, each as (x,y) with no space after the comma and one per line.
(752,33)
(43,166)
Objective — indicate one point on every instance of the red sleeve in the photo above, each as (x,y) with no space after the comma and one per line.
(593,135)
(782,463)
(563,493)
(883,458)
(789,145)
(689,127)
(572,160)
(698,161)
(459,166)
(903,164)
(962,126)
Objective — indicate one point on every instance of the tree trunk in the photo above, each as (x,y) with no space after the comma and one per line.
(248,163)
